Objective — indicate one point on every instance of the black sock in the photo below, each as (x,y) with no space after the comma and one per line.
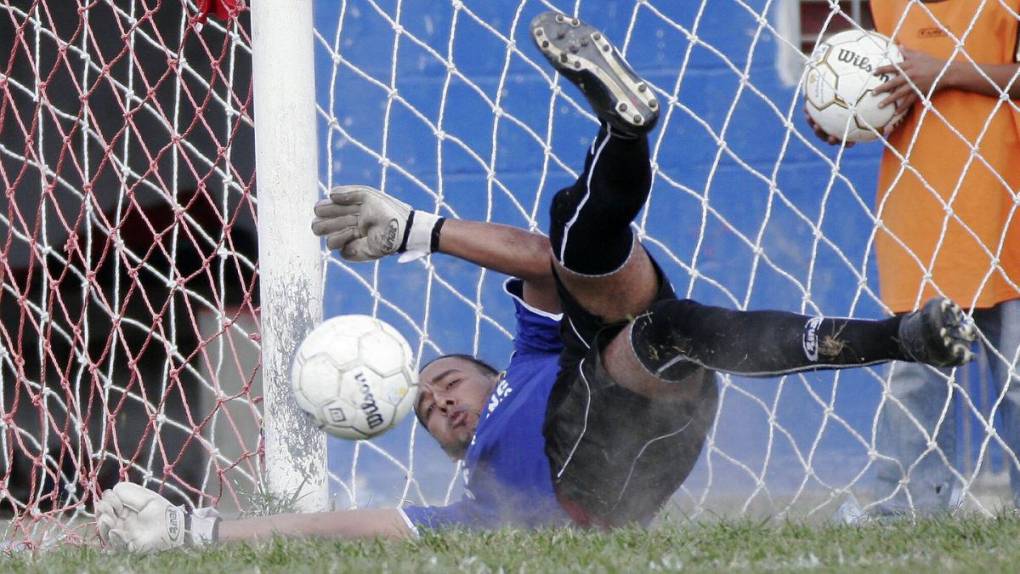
(676,336)
(590,231)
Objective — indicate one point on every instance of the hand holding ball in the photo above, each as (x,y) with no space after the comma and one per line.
(839,87)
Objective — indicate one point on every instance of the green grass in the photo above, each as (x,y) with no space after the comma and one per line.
(961,544)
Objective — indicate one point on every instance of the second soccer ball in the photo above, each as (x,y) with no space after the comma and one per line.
(840,83)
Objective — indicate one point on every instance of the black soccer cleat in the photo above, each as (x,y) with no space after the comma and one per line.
(939,334)
(617,95)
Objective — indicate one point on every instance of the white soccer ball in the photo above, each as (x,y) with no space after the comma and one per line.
(838,90)
(352,374)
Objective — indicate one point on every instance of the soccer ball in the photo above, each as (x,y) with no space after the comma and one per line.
(838,90)
(352,374)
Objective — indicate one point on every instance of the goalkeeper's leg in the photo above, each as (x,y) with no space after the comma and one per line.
(677,338)
(597,258)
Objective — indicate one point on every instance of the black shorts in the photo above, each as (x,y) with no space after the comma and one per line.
(617,456)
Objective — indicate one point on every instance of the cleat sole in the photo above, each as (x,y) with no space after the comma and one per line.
(586,58)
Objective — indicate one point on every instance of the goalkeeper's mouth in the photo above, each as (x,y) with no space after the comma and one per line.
(459,418)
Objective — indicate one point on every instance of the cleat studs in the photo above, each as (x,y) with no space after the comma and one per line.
(605,48)
(577,64)
(559,18)
(545,43)
(584,42)
(622,107)
(653,104)
(575,22)
(638,119)
(564,58)
(641,88)
(596,36)
(561,35)
(574,49)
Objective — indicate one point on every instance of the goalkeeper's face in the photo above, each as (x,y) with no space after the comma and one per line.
(452,393)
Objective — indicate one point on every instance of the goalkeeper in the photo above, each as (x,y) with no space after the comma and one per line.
(605,404)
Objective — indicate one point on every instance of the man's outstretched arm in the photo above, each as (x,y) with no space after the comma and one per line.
(365,224)
(137,519)
(358,523)
(508,250)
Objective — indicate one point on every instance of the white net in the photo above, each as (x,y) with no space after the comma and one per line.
(448,106)
(128,302)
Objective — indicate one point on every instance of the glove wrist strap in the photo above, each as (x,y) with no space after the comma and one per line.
(421,235)
(204,526)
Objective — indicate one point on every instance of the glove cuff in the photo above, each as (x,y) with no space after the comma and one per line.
(421,235)
(203,526)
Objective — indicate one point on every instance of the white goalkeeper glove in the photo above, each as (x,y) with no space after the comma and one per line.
(366,224)
(137,519)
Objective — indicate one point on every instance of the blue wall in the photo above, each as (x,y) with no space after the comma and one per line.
(720,97)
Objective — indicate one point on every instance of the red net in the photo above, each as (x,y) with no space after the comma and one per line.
(128,293)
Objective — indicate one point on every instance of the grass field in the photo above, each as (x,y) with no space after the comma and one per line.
(956,545)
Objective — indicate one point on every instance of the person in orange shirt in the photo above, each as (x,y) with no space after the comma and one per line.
(948,223)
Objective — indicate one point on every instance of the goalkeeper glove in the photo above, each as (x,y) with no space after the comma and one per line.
(366,224)
(137,519)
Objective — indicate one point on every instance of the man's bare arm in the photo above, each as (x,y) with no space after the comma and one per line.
(919,70)
(360,523)
(508,250)
(965,76)
(140,520)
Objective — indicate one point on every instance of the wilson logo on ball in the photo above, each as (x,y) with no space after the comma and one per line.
(854,59)
(368,405)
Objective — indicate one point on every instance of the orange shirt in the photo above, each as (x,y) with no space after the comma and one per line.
(951,220)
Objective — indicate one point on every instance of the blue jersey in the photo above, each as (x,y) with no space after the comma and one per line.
(506,472)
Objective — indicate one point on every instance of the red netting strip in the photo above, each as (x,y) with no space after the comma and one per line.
(128,278)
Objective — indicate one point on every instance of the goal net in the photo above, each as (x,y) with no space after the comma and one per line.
(448,106)
(129,339)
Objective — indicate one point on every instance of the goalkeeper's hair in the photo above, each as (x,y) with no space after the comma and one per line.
(483,368)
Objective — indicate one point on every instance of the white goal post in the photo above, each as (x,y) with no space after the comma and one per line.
(289,264)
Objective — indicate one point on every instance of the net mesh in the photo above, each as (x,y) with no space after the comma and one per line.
(448,107)
(128,310)
(128,295)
